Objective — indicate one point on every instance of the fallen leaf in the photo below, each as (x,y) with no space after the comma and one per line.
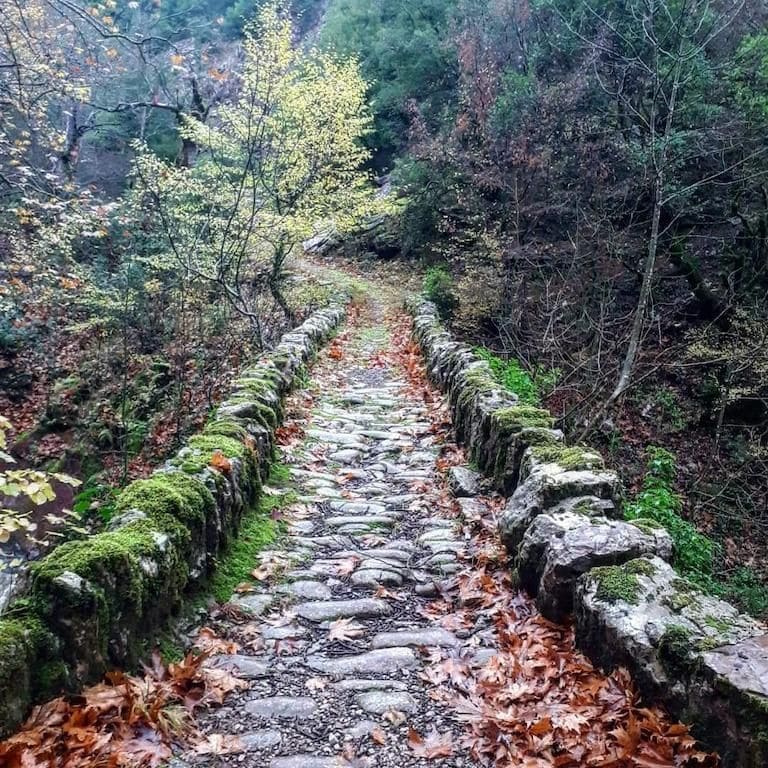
(218,744)
(345,629)
(433,746)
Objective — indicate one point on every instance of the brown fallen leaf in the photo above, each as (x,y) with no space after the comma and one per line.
(208,640)
(345,629)
(433,746)
(394,717)
(315,684)
(219,461)
(220,744)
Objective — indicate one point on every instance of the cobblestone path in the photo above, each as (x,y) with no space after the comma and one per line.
(337,637)
(385,630)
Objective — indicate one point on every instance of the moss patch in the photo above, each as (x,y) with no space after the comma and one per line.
(676,650)
(619,582)
(173,494)
(227,428)
(519,417)
(569,457)
(258,529)
(203,447)
(22,645)
(647,525)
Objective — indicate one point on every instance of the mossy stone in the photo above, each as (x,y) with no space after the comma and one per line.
(647,525)
(574,457)
(519,417)
(619,582)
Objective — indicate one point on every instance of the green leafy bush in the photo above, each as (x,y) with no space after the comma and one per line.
(512,376)
(696,555)
(439,288)
(694,552)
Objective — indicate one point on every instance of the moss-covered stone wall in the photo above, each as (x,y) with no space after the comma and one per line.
(93,601)
(562,529)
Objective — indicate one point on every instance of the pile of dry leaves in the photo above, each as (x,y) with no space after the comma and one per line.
(126,720)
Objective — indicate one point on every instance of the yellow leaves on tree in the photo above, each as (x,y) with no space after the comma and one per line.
(285,154)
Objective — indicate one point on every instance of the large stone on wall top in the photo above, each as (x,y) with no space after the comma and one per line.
(690,651)
(566,457)
(545,487)
(558,548)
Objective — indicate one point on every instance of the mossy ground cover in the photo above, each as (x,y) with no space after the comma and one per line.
(258,529)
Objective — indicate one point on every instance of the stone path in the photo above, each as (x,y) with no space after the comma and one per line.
(385,629)
(337,640)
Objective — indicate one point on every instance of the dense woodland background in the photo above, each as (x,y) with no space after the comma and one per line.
(584,184)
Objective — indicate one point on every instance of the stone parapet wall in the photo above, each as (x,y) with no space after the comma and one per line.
(575,554)
(93,601)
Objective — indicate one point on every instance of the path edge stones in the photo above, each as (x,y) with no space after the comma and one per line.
(695,654)
(93,601)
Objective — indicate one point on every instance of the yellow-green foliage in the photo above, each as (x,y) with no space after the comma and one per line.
(287,153)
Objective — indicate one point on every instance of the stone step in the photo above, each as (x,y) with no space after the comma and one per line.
(414,637)
(309,761)
(379,702)
(384,661)
(327,610)
(282,707)
(246,667)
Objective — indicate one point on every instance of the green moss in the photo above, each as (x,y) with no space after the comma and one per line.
(619,582)
(475,382)
(569,457)
(676,649)
(685,586)
(202,448)
(171,649)
(208,444)
(261,412)
(678,601)
(640,567)
(717,623)
(135,576)
(49,678)
(519,417)
(540,436)
(647,525)
(227,428)
(584,507)
(29,664)
(173,494)
(279,475)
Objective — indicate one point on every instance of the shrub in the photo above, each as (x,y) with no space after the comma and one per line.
(694,552)
(439,288)
(512,376)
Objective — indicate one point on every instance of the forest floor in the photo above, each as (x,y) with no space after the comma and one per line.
(384,630)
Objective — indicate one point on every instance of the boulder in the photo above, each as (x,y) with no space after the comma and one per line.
(546,486)
(463,482)
(558,548)
(687,650)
